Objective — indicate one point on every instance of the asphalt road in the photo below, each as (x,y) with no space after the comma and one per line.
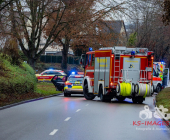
(74,118)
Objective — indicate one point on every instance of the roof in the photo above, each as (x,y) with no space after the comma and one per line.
(113,26)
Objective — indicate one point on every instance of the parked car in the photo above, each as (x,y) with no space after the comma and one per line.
(47,75)
(70,85)
(73,85)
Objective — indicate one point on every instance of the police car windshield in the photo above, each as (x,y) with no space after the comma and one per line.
(75,79)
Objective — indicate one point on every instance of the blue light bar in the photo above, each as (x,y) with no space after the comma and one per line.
(90,49)
(51,69)
(132,52)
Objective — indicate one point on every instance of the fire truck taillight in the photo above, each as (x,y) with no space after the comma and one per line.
(112,55)
(111,84)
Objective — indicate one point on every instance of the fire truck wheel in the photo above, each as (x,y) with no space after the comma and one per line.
(88,96)
(103,98)
(140,100)
(158,88)
(119,98)
(101,94)
(134,100)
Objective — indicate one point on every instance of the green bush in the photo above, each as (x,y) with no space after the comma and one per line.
(19,79)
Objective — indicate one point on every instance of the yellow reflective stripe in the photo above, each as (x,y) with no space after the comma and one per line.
(77,87)
(146,91)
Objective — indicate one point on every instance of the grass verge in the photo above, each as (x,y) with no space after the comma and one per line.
(163,98)
(43,89)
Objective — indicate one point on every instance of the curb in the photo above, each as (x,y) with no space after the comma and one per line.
(27,101)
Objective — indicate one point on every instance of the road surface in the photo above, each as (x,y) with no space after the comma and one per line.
(74,118)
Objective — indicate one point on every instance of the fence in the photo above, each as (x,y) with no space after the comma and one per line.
(58,59)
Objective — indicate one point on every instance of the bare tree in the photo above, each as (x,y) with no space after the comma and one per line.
(26,20)
(85,15)
(151,33)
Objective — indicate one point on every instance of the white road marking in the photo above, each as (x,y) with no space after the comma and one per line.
(53,132)
(87,104)
(78,110)
(68,118)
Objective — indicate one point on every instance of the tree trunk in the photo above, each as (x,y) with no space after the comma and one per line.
(32,62)
(64,57)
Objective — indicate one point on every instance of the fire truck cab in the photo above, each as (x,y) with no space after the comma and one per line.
(118,72)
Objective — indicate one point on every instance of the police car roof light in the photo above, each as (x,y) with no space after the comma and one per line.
(73,72)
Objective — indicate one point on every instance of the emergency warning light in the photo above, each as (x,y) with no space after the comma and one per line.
(90,49)
(73,72)
(132,52)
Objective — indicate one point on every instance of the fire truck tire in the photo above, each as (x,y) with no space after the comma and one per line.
(119,98)
(88,96)
(134,100)
(103,98)
(158,88)
(140,100)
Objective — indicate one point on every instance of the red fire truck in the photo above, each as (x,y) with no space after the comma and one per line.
(118,72)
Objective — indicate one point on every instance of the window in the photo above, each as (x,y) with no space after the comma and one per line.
(89,59)
(93,57)
(57,73)
(86,59)
(73,79)
(53,73)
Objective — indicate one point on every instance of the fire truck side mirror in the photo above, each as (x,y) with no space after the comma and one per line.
(82,59)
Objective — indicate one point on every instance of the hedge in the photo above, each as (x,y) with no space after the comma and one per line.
(17,79)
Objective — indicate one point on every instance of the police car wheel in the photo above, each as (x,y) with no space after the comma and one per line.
(88,96)
(65,94)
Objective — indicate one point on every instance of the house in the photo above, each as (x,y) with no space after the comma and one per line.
(108,33)
(115,30)
(54,49)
